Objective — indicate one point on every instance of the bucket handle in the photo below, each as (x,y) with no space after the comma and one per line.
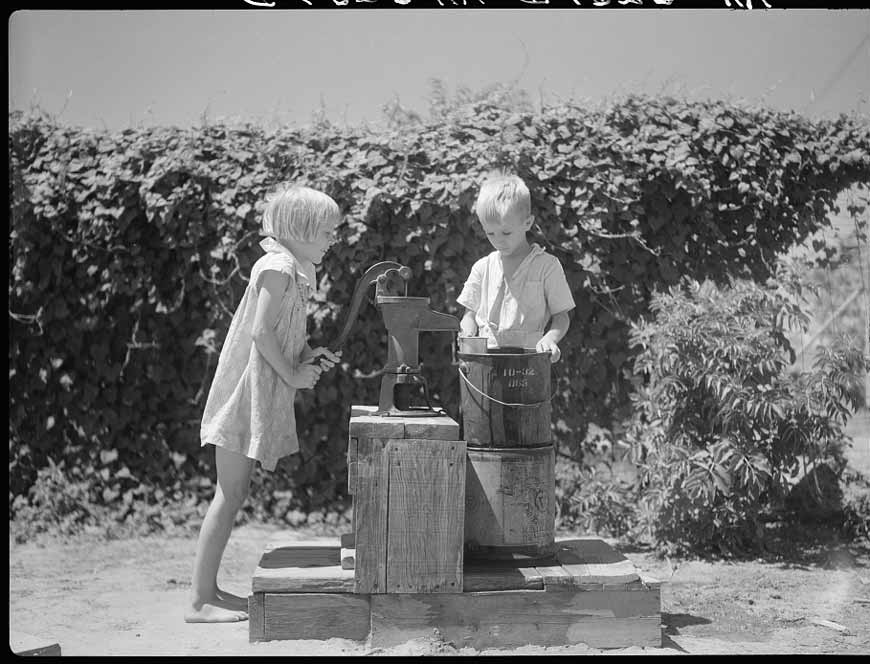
(512,405)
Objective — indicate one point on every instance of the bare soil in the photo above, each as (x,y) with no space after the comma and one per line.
(126,597)
(97,598)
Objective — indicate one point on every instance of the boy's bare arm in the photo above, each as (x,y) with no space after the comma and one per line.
(549,343)
(468,324)
(559,327)
(268,308)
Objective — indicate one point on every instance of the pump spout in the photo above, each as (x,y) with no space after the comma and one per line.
(435,321)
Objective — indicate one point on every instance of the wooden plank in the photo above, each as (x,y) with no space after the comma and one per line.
(352,456)
(650,582)
(370,516)
(316,616)
(347,558)
(609,619)
(362,410)
(332,579)
(426,515)
(365,424)
(432,428)
(303,568)
(555,577)
(256,617)
(500,575)
(27,645)
(593,562)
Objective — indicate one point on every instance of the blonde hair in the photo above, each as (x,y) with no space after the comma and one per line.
(500,194)
(296,213)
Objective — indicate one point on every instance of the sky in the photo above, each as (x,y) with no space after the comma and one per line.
(115,69)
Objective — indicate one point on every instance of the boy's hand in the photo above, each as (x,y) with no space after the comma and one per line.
(468,324)
(547,345)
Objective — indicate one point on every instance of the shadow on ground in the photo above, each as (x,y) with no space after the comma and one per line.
(796,545)
(673,621)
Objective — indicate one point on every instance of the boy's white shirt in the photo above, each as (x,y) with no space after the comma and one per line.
(304,269)
(526,285)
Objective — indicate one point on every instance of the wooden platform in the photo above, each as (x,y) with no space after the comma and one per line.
(588,593)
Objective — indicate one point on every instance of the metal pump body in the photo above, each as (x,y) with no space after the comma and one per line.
(404,317)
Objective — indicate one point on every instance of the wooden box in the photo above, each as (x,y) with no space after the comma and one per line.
(407,479)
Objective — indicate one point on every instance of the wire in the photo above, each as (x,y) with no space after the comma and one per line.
(837,74)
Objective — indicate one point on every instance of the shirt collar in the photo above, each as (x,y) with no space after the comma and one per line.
(305,269)
(535,250)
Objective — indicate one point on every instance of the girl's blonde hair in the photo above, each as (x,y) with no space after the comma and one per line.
(296,213)
(500,194)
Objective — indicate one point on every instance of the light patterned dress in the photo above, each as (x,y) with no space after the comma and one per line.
(250,408)
(515,311)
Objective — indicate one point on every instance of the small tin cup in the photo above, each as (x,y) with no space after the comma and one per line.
(475,345)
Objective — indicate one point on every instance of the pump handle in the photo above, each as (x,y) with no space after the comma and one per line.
(371,276)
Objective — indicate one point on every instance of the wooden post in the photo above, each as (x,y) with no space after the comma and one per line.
(408,487)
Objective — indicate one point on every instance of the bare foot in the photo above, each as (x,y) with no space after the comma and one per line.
(232,601)
(215,611)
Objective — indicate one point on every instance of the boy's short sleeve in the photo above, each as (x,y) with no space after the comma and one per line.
(470,295)
(556,289)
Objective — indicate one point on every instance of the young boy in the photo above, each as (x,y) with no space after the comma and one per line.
(513,293)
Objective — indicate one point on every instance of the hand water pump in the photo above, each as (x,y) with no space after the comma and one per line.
(404,317)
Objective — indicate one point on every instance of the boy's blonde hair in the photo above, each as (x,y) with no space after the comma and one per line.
(297,212)
(500,194)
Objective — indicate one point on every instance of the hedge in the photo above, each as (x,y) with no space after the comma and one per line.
(130,250)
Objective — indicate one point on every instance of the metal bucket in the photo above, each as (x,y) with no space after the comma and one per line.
(505,398)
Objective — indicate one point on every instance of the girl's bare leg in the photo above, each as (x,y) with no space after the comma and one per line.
(208,603)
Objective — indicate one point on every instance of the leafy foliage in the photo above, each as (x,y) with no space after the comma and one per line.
(723,430)
(130,250)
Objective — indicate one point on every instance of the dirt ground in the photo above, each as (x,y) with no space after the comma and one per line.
(127,597)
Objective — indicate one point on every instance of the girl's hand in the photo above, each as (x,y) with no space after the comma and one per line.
(306,376)
(328,359)
(547,345)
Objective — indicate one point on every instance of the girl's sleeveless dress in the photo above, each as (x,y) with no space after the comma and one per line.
(250,408)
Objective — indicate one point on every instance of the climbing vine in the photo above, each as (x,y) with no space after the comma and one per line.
(129,251)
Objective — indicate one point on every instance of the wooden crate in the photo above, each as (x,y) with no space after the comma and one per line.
(588,593)
(407,479)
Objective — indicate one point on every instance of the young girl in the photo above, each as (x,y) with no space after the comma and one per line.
(264,360)
(512,293)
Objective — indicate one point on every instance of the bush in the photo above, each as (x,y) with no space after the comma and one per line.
(722,428)
(856,507)
(595,500)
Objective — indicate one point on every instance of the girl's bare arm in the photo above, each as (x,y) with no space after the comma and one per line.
(265,318)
